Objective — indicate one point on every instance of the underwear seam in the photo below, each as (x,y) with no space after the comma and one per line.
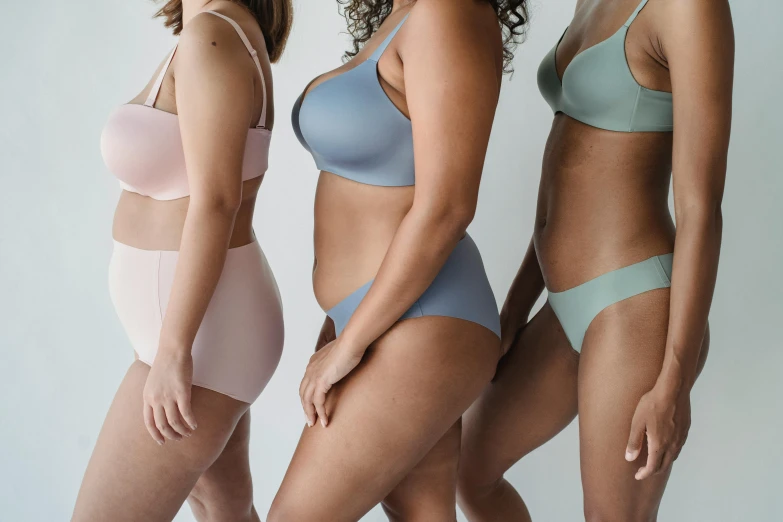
(665,280)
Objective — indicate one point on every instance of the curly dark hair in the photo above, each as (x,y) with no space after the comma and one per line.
(364,17)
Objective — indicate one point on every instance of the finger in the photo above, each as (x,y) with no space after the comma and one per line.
(654,457)
(175,419)
(635,439)
(666,462)
(149,422)
(307,404)
(163,424)
(186,411)
(319,400)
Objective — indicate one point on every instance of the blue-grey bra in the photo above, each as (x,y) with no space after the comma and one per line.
(599,89)
(353,129)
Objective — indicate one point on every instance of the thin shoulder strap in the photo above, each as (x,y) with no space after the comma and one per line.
(254,55)
(635,13)
(153,95)
(379,51)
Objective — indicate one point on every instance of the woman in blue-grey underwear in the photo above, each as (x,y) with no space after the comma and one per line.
(412,334)
(639,91)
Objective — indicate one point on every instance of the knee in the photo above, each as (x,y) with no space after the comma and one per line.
(213,500)
(475,484)
(605,512)
(427,509)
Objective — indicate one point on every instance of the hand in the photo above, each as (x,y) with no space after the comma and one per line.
(327,366)
(167,397)
(665,417)
(326,335)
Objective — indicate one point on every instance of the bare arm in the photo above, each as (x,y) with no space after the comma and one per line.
(522,296)
(214,91)
(452,84)
(698,43)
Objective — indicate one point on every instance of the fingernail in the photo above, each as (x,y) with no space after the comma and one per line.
(323,423)
(628,456)
(193,426)
(160,442)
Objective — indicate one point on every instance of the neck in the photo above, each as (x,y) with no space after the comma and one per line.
(191,8)
(399,4)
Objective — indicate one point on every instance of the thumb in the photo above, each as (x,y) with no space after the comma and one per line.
(636,438)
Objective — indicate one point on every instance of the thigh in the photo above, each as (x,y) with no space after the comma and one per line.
(130,477)
(411,387)
(225,490)
(428,493)
(532,397)
(622,356)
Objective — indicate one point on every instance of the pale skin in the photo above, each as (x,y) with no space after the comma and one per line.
(603,205)
(164,440)
(382,400)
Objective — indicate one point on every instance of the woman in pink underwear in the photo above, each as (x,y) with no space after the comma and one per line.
(189,282)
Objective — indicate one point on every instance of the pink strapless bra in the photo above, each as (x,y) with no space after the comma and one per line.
(142,145)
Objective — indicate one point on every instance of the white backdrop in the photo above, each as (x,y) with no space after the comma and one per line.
(65,65)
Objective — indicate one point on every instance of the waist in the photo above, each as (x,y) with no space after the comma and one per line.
(355,224)
(149,224)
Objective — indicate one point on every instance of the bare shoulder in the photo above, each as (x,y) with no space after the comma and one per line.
(681,16)
(453,23)
(208,39)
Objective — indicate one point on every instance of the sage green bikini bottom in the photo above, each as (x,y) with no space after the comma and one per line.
(576,307)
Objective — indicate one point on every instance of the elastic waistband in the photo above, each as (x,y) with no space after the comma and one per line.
(124,246)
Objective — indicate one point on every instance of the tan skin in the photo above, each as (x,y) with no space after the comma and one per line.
(603,205)
(165,441)
(384,396)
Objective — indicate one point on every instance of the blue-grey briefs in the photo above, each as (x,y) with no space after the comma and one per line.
(576,307)
(461,290)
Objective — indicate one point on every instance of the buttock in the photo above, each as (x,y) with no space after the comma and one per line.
(576,307)
(240,340)
(460,290)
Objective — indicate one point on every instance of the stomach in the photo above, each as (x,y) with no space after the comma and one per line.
(354,225)
(149,224)
(602,202)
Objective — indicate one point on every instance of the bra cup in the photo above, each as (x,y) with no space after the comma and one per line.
(598,88)
(142,147)
(353,129)
(548,82)
(159,169)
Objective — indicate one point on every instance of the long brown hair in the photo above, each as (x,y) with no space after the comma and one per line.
(273,16)
(364,17)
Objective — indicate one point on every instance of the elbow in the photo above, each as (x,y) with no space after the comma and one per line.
(704,213)
(224,203)
(450,220)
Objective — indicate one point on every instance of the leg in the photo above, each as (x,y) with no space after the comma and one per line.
(411,387)
(130,477)
(532,398)
(224,492)
(428,492)
(621,358)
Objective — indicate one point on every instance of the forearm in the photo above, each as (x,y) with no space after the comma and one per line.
(524,292)
(417,252)
(203,250)
(695,267)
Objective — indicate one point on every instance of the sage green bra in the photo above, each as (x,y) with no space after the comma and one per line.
(599,89)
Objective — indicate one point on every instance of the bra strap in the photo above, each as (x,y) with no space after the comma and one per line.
(379,51)
(635,13)
(153,95)
(254,55)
